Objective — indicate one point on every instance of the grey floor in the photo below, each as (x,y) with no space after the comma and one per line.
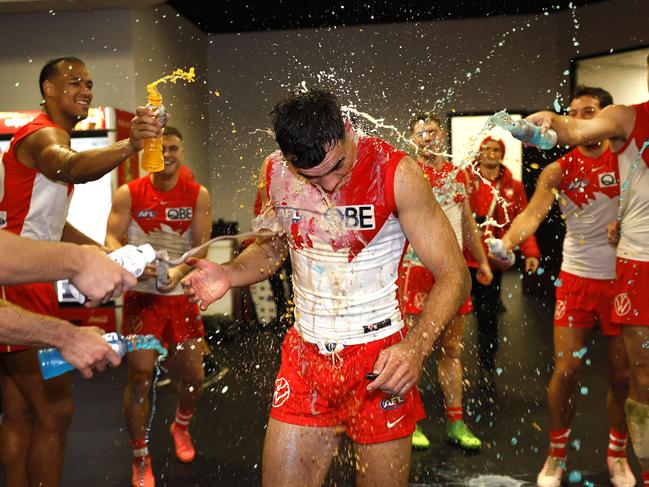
(229,426)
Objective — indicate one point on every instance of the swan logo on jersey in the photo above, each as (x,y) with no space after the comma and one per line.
(390,403)
(622,304)
(144,214)
(3,219)
(179,214)
(282,392)
(607,179)
(354,217)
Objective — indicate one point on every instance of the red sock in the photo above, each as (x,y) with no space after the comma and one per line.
(140,451)
(454,414)
(616,443)
(645,479)
(183,419)
(559,442)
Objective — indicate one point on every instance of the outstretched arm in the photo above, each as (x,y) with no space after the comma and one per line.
(201,229)
(83,347)
(94,274)
(260,260)
(528,221)
(433,240)
(49,151)
(615,122)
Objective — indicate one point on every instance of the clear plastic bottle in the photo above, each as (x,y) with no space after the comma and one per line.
(53,364)
(162,273)
(497,249)
(152,159)
(525,131)
(133,259)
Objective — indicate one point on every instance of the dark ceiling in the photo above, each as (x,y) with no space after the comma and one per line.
(216,16)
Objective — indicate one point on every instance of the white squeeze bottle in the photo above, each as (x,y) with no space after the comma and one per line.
(133,259)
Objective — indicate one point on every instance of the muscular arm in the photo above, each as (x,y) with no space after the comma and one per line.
(433,240)
(398,367)
(201,228)
(615,122)
(528,221)
(49,151)
(119,218)
(472,235)
(82,347)
(23,327)
(260,260)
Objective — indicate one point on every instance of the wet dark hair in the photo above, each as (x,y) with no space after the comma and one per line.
(600,94)
(173,131)
(305,125)
(51,69)
(425,117)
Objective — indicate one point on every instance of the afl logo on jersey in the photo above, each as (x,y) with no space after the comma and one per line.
(178,214)
(578,184)
(607,179)
(356,217)
(146,214)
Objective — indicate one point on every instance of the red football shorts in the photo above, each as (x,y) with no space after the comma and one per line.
(314,389)
(631,301)
(581,301)
(415,283)
(37,297)
(171,319)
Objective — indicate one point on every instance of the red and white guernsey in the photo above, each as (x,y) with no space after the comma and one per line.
(31,205)
(449,185)
(162,219)
(634,191)
(589,194)
(345,247)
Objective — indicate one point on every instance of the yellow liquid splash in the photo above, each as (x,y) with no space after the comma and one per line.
(152,91)
(152,159)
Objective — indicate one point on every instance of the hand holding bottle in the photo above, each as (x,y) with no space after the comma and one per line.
(131,258)
(526,131)
(145,125)
(57,361)
(98,277)
(498,250)
(85,348)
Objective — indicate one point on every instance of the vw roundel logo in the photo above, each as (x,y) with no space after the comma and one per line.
(622,304)
(282,392)
(560,309)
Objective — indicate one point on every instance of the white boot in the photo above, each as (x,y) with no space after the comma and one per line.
(551,473)
(620,472)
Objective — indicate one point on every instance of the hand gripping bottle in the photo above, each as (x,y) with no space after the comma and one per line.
(498,250)
(133,259)
(525,131)
(53,364)
(152,159)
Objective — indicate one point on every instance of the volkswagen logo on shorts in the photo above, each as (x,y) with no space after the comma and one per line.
(622,304)
(390,403)
(282,392)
